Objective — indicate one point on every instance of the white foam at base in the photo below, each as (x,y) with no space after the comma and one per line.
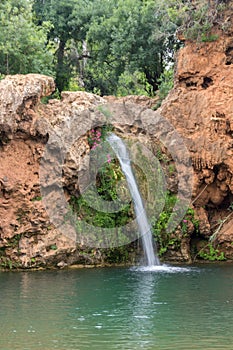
(164,268)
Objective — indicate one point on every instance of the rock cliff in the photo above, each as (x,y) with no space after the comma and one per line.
(199,108)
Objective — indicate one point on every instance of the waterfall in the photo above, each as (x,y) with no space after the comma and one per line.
(121,152)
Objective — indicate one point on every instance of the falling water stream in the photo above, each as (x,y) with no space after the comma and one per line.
(121,152)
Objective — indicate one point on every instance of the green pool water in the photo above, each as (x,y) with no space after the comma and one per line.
(118,308)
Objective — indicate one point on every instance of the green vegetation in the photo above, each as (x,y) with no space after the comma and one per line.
(53,247)
(111,187)
(209,252)
(23,46)
(5,261)
(167,240)
(36,199)
(107,179)
(163,238)
(165,85)
(98,218)
(199,22)
(103,46)
(117,255)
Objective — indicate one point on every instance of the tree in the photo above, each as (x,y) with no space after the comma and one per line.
(112,45)
(121,46)
(128,39)
(69,19)
(22,43)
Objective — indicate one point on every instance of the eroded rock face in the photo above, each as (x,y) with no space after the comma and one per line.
(27,237)
(200,108)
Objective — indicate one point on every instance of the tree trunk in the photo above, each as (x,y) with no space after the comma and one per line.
(62,73)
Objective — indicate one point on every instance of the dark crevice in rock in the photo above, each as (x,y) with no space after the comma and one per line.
(229,55)
(226,203)
(28,102)
(207,81)
(190,84)
(216,169)
(5,132)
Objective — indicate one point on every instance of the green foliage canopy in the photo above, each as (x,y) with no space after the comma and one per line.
(112,45)
(22,43)
(104,46)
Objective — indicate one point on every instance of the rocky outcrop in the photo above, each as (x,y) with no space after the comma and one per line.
(199,108)
(27,237)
